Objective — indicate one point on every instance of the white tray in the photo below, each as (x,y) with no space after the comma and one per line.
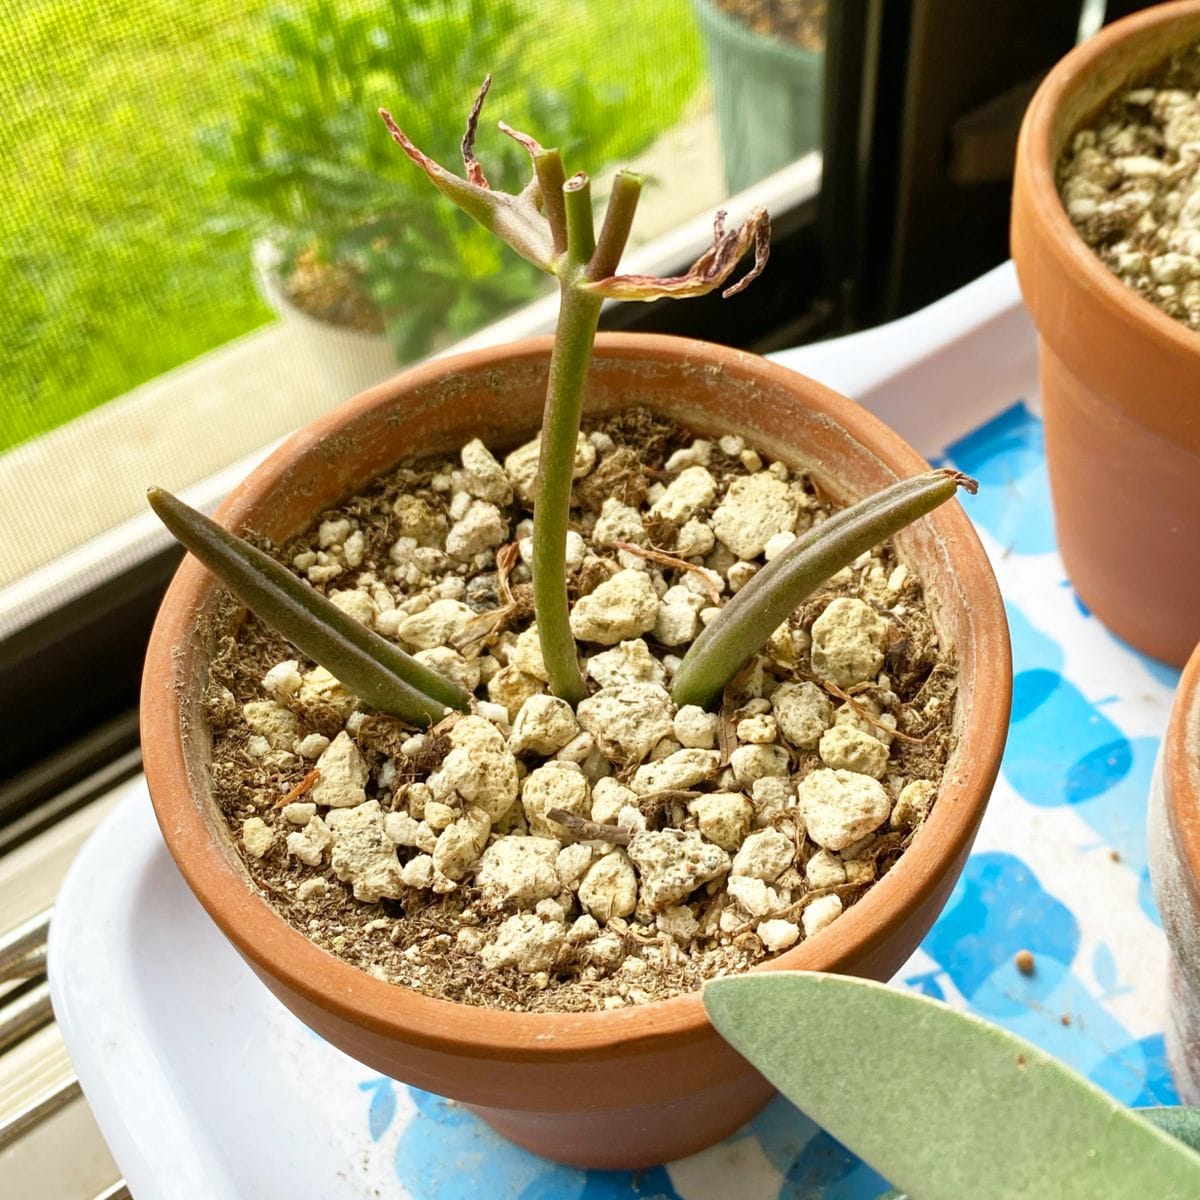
(206,1088)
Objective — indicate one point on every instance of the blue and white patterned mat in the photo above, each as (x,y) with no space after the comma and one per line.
(1059,869)
(150,998)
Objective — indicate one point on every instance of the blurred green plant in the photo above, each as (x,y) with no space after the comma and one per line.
(320,178)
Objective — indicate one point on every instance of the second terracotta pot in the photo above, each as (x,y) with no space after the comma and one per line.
(1173,842)
(639,1085)
(1120,379)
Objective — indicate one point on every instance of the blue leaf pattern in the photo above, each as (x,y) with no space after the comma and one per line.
(1104,967)
(382,1112)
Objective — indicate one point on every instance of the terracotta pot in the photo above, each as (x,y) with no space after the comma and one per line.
(640,1085)
(341,362)
(1120,379)
(1173,837)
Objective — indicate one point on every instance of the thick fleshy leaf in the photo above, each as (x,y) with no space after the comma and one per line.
(743,626)
(373,669)
(708,272)
(1181,1123)
(943,1104)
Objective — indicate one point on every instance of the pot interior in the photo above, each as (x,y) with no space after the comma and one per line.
(850,454)
(1125,64)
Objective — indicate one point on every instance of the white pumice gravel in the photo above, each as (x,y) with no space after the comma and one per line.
(621,607)
(299,812)
(257,836)
(628,720)
(310,843)
(554,785)
(627,662)
(723,817)
(609,887)
(839,807)
(754,510)
(363,855)
(673,863)
(764,855)
(695,728)
(848,642)
(544,726)
(342,773)
(691,840)
(846,748)
(802,713)
(913,804)
(820,913)
(678,771)
(519,870)
(691,490)
(778,935)
(1130,183)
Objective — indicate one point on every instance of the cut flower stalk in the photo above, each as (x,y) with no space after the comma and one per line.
(550,224)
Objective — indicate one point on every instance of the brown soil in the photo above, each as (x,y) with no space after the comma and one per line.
(414,940)
(1130,183)
(799,21)
(332,292)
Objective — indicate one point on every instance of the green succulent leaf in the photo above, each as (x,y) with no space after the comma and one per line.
(1183,1124)
(373,669)
(942,1103)
(745,624)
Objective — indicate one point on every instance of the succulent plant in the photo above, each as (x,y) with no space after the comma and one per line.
(550,224)
(945,1104)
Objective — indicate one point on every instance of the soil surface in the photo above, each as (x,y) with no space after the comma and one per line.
(775,824)
(332,292)
(1130,182)
(799,21)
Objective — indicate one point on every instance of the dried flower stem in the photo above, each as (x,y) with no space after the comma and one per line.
(835,691)
(589,831)
(308,782)
(654,554)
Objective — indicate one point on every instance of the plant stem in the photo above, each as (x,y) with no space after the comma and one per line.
(581,230)
(548,167)
(618,220)
(578,315)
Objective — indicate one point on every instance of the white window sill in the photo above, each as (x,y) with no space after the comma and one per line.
(76,495)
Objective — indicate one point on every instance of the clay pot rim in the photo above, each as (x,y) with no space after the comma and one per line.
(1036,154)
(275,948)
(1181,765)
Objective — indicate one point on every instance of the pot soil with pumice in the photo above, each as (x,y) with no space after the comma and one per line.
(612,1085)
(1120,378)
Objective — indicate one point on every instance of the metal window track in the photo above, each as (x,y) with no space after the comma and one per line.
(43,1115)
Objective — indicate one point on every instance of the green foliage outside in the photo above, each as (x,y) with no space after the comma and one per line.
(126,211)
